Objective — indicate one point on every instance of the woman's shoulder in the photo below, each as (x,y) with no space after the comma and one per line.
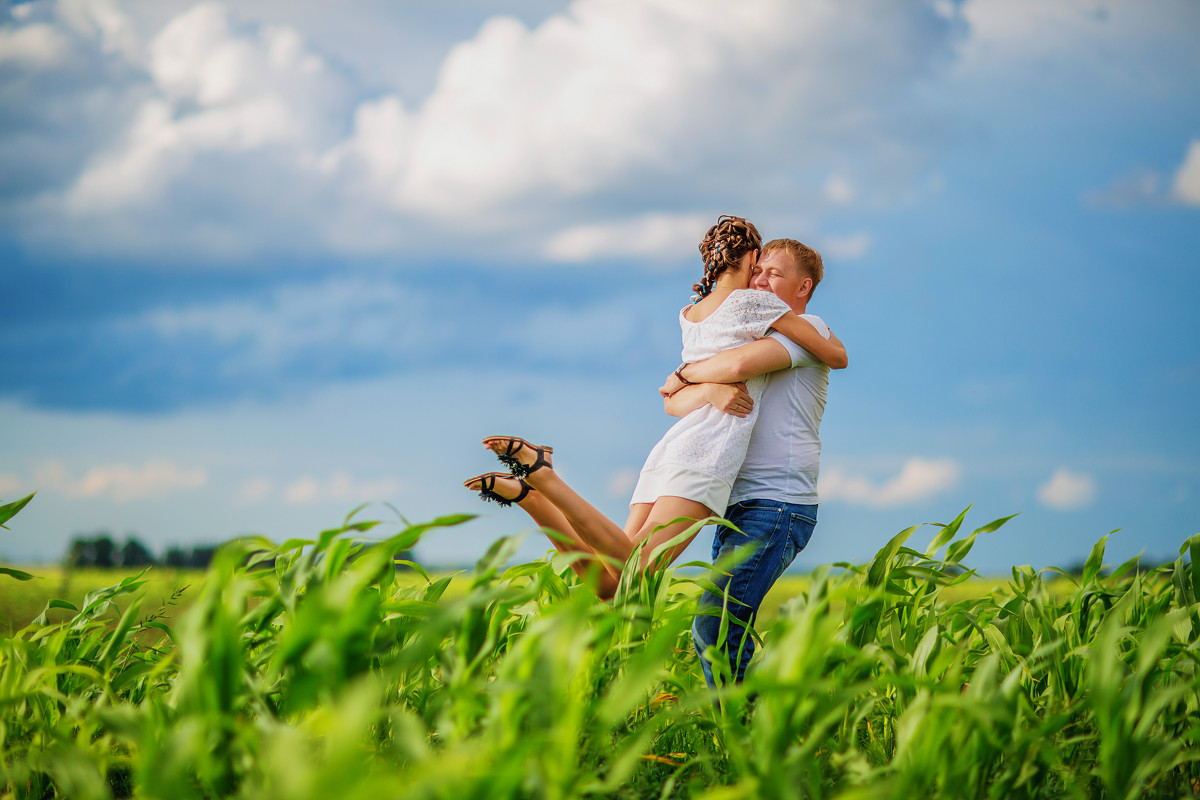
(755,299)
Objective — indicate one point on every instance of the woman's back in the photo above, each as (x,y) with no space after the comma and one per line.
(740,318)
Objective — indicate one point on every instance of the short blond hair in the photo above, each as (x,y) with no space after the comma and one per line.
(807,260)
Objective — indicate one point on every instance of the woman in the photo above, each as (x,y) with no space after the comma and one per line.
(689,473)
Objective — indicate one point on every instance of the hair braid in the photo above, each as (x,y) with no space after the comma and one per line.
(723,248)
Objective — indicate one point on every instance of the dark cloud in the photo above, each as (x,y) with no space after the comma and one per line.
(138,341)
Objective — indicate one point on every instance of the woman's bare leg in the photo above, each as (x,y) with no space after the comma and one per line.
(596,530)
(549,518)
(661,516)
(602,534)
(638,513)
(591,568)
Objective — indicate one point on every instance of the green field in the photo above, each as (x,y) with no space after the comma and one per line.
(313,669)
(21,601)
(169,591)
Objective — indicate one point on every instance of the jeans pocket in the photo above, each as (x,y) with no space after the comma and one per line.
(757,521)
(800,530)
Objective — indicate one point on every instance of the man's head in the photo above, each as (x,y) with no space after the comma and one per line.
(789,269)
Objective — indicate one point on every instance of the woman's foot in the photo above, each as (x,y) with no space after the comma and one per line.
(519,455)
(498,487)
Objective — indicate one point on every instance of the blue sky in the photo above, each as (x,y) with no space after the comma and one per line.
(262,262)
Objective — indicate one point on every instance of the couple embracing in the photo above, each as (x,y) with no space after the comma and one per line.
(749,396)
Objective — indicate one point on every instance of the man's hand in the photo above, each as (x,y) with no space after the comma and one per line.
(730,398)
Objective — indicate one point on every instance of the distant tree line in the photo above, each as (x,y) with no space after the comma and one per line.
(100,550)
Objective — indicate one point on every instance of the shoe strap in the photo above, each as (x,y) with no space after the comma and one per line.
(541,460)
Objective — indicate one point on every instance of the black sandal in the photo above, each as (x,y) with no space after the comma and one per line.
(487,485)
(508,457)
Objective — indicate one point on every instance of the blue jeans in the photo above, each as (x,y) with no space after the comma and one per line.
(779,531)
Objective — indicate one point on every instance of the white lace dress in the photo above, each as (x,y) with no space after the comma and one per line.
(700,455)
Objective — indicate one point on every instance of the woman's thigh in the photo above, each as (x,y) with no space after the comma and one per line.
(638,514)
(661,526)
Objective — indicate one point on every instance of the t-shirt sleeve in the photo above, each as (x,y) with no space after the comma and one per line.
(755,312)
(800,356)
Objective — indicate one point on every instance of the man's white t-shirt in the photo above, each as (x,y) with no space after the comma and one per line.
(784,456)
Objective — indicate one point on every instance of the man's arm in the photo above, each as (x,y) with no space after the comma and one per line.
(730,398)
(734,365)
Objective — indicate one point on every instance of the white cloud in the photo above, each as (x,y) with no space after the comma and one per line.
(9,484)
(650,236)
(1135,188)
(1027,24)
(255,491)
(245,137)
(121,483)
(301,491)
(378,146)
(838,190)
(1067,491)
(1029,33)
(596,95)
(101,19)
(846,248)
(919,479)
(219,89)
(1186,184)
(620,483)
(341,487)
(32,46)
(1146,186)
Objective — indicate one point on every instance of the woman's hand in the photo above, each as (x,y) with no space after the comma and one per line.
(730,398)
(672,385)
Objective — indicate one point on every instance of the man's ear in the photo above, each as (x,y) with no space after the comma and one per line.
(806,287)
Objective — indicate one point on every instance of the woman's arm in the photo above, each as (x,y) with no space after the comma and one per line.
(831,351)
(734,365)
(730,398)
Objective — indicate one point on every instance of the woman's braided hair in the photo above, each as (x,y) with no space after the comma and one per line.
(722,249)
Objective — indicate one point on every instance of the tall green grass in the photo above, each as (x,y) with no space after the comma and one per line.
(307,670)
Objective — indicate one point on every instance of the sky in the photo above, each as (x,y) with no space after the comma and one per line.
(262,262)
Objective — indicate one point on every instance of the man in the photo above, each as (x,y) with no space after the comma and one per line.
(774,500)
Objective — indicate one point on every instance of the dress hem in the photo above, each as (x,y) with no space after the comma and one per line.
(679,480)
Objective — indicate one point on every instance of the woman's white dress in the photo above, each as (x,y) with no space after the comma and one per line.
(700,455)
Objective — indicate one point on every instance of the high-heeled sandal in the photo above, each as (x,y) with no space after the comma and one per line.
(487,485)
(513,444)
